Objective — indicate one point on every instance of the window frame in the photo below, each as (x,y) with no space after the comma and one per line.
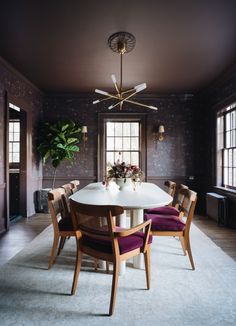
(220,159)
(120,117)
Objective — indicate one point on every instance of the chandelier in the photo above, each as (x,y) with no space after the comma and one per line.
(122,42)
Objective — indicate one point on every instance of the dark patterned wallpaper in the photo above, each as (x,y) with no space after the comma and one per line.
(173,158)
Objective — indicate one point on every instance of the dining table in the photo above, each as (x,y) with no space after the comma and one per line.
(134,198)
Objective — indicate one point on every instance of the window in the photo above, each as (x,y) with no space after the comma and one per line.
(14,141)
(123,142)
(121,136)
(226,147)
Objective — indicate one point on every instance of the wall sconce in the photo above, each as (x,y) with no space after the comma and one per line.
(84,131)
(159,135)
(161,131)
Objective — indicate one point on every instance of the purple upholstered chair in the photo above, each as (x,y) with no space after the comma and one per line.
(170,210)
(172,225)
(103,240)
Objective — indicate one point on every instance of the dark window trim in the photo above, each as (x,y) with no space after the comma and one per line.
(222,113)
(122,117)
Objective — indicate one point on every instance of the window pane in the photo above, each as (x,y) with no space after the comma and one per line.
(110,143)
(228,139)
(234,158)
(11,128)
(118,129)
(134,158)
(233,119)
(119,156)
(16,147)
(118,143)
(10,136)
(226,163)
(230,158)
(16,157)
(233,140)
(134,129)
(110,128)
(110,157)
(126,157)
(126,129)
(16,127)
(16,136)
(126,143)
(234,177)
(225,176)
(227,121)
(10,157)
(10,147)
(230,177)
(135,143)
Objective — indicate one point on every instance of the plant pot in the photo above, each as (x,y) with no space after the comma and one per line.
(124,183)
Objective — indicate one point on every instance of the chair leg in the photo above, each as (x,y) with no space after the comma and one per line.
(147,266)
(61,245)
(95,264)
(188,248)
(107,267)
(53,251)
(183,245)
(114,286)
(79,256)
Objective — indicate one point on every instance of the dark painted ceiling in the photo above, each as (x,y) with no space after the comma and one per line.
(181,46)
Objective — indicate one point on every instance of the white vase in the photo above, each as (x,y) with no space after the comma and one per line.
(124,183)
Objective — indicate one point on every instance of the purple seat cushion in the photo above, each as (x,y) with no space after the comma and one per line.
(126,244)
(165,210)
(65,224)
(165,223)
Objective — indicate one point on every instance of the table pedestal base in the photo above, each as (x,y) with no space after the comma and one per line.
(137,218)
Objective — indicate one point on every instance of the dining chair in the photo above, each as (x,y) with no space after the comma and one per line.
(171,210)
(172,225)
(71,188)
(75,185)
(61,221)
(103,240)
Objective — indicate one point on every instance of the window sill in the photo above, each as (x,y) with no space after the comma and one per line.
(227,190)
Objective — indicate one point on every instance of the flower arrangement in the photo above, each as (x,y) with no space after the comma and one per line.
(123,170)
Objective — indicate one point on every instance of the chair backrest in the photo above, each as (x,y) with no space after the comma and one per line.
(180,196)
(75,185)
(65,197)
(95,222)
(56,206)
(188,205)
(171,186)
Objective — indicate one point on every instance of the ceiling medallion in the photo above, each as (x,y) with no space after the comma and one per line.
(122,42)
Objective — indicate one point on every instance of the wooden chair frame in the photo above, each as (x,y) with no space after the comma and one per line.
(56,208)
(171,187)
(115,257)
(187,209)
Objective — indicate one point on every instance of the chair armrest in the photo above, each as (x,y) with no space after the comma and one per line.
(126,232)
(146,225)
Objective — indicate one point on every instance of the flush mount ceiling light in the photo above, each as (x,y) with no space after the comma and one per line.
(122,42)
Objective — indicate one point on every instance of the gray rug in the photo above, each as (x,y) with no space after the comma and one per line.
(32,295)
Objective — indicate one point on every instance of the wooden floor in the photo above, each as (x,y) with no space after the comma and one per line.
(25,230)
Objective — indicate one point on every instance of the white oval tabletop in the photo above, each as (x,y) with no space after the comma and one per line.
(146,195)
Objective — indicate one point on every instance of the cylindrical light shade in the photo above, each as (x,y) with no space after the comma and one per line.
(161,129)
(84,130)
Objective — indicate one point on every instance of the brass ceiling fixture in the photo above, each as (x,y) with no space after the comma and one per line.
(122,42)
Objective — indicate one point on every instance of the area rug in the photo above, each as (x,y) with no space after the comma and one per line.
(32,295)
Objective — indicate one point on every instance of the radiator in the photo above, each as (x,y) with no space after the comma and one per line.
(216,207)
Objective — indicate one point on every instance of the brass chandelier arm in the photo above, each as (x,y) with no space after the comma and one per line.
(121,100)
(141,104)
(104,99)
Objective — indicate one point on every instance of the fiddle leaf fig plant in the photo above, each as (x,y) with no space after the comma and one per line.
(59,141)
